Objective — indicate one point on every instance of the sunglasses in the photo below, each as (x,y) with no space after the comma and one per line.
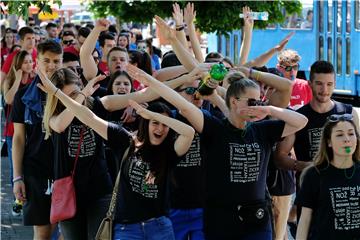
(189,90)
(67,42)
(289,68)
(253,102)
(340,117)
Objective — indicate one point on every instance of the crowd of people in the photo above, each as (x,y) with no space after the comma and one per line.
(263,152)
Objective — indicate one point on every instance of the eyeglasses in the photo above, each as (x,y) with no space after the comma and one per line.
(67,42)
(340,117)
(253,101)
(289,68)
(189,90)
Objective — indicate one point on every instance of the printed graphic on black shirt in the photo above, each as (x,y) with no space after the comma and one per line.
(138,175)
(345,202)
(244,162)
(88,145)
(192,157)
(314,141)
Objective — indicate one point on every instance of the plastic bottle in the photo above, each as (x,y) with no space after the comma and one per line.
(262,16)
(212,80)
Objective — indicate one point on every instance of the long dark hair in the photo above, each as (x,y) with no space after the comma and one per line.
(114,76)
(156,155)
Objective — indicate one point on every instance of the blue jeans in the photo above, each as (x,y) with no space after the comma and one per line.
(152,229)
(187,223)
(8,140)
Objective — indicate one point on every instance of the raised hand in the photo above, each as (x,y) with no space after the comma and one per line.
(189,13)
(140,110)
(138,74)
(166,31)
(195,74)
(248,20)
(18,74)
(92,85)
(128,115)
(46,85)
(283,42)
(254,113)
(102,24)
(178,14)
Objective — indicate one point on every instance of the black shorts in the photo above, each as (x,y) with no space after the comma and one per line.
(36,209)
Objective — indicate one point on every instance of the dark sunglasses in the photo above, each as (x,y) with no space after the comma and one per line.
(189,90)
(340,117)
(67,42)
(289,68)
(253,102)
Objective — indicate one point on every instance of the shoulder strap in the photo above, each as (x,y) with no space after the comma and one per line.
(110,213)
(78,150)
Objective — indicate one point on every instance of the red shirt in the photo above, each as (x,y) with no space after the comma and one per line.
(301,93)
(72,50)
(7,64)
(4,53)
(104,68)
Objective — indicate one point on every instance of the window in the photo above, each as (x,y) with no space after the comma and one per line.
(321,48)
(348,56)
(329,50)
(219,42)
(357,14)
(227,41)
(321,16)
(339,17)
(236,49)
(304,20)
(330,18)
(338,57)
(348,18)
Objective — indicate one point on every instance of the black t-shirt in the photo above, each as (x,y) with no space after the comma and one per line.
(334,196)
(236,169)
(308,139)
(188,186)
(38,154)
(92,180)
(137,200)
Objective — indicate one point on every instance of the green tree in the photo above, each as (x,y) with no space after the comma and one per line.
(214,16)
(21,8)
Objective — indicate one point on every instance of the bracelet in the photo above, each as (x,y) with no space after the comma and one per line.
(57,89)
(80,92)
(17,179)
(180,28)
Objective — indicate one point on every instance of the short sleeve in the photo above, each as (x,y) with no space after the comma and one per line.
(99,109)
(211,125)
(271,130)
(309,189)
(118,137)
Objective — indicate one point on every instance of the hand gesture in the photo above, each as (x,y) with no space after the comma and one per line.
(254,113)
(18,74)
(138,74)
(102,24)
(283,42)
(166,31)
(19,190)
(195,74)
(140,110)
(46,85)
(92,85)
(189,13)
(128,115)
(248,20)
(178,14)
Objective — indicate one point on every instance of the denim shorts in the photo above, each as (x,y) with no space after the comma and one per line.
(153,229)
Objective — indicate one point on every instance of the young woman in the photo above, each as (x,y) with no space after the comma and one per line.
(123,41)
(141,60)
(6,43)
(146,46)
(237,151)
(143,195)
(330,190)
(19,76)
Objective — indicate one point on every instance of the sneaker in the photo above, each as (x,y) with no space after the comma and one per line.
(16,209)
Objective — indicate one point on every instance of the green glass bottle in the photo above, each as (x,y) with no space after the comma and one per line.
(212,80)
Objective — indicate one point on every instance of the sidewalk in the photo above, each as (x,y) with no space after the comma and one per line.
(11,227)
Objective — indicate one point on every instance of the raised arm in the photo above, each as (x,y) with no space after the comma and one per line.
(283,86)
(10,91)
(189,16)
(181,52)
(186,133)
(86,59)
(248,28)
(81,112)
(179,22)
(187,109)
(264,58)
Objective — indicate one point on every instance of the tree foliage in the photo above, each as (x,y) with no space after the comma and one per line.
(21,8)
(212,16)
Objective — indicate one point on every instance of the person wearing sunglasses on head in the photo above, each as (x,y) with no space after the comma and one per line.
(329,192)
(306,141)
(288,65)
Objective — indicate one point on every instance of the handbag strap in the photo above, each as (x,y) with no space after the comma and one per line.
(78,150)
(110,212)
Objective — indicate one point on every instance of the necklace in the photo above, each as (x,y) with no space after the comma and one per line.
(352,174)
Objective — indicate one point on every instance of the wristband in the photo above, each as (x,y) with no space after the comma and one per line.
(180,28)
(17,179)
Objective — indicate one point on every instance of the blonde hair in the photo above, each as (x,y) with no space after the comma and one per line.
(60,78)
(16,64)
(288,56)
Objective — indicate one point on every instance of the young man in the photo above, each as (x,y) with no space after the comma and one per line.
(306,141)
(32,155)
(51,29)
